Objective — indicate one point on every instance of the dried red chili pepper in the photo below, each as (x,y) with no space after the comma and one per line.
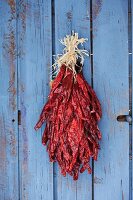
(71,114)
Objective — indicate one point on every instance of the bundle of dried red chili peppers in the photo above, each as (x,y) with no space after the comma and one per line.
(71,114)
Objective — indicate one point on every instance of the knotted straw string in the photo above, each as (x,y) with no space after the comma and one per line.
(71,53)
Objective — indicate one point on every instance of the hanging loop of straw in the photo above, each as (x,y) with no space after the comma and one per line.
(71,53)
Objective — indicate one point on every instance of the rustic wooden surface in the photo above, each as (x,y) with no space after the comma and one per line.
(34,61)
(8,103)
(29,33)
(111,176)
(71,17)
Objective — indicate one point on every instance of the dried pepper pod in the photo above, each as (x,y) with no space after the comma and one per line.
(71,114)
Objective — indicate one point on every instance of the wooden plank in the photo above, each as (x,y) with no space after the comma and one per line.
(35,55)
(130,44)
(111,178)
(72,16)
(9,188)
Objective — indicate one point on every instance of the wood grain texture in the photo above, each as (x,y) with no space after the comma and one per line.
(71,15)
(8,103)
(35,55)
(111,178)
(29,33)
(130,60)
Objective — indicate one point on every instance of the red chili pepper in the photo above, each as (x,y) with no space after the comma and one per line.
(71,114)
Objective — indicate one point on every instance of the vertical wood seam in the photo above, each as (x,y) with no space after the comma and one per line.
(92,83)
(17,38)
(130,92)
(51,78)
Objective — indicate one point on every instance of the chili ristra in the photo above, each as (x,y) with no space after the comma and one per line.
(71,113)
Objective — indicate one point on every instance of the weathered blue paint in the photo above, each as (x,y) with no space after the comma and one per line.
(29,34)
(130,41)
(35,59)
(111,172)
(69,16)
(8,103)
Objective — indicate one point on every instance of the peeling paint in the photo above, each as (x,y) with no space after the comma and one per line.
(10,52)
(10,46)
(12,56)
(69,15)
(12,142)
(25,148)
(3,144)
(8,139)
(98,180)
(25,163)
(12,5)
(22,25)
(22,14)
(25,140)
(97,5)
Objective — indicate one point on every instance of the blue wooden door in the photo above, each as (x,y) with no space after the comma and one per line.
(29,35)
